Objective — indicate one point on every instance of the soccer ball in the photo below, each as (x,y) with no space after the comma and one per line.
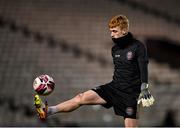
(44,85)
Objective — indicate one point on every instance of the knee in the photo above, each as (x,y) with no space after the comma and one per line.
(79,98)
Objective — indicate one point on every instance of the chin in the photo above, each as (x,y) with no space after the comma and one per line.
(119,36)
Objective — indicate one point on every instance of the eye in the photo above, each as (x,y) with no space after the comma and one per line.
(115,31)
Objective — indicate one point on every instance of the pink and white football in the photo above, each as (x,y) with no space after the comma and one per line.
(44,85)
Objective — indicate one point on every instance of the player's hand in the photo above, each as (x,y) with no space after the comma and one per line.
(145,96)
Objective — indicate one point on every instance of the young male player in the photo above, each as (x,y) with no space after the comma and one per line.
(129,86)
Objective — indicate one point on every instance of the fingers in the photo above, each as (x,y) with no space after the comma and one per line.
(139,101)
(146,99)
(152,100)
(147,102)
(140,98)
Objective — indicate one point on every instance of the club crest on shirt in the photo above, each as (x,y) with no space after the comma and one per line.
(129,55)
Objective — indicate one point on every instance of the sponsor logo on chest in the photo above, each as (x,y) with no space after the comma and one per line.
(117,56)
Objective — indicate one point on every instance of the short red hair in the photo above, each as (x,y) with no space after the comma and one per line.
(119,20)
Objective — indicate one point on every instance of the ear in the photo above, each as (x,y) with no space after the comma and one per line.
(124,31)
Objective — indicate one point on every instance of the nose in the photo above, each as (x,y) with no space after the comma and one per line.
(112,35)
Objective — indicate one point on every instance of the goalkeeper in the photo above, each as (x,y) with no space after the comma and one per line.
(129,86)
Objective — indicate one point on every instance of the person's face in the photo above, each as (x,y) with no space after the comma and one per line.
(117,32)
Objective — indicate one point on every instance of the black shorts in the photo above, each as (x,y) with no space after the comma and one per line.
(124,103)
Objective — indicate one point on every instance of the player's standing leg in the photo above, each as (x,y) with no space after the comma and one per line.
(129,122)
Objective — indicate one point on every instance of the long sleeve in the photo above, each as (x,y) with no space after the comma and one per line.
(142,62)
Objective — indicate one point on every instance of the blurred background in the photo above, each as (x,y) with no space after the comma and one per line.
(70,41)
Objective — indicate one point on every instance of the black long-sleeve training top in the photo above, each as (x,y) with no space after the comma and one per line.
(130,62)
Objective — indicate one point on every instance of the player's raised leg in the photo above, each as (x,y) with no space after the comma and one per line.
(87,98)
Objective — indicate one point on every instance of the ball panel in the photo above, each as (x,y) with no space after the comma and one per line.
(51,85)
(41,89)
(36,83)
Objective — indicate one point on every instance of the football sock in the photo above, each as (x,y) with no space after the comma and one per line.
(52,110)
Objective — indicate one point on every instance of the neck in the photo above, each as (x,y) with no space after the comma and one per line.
(124,41)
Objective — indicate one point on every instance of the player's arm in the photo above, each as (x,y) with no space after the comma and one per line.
(145,96)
